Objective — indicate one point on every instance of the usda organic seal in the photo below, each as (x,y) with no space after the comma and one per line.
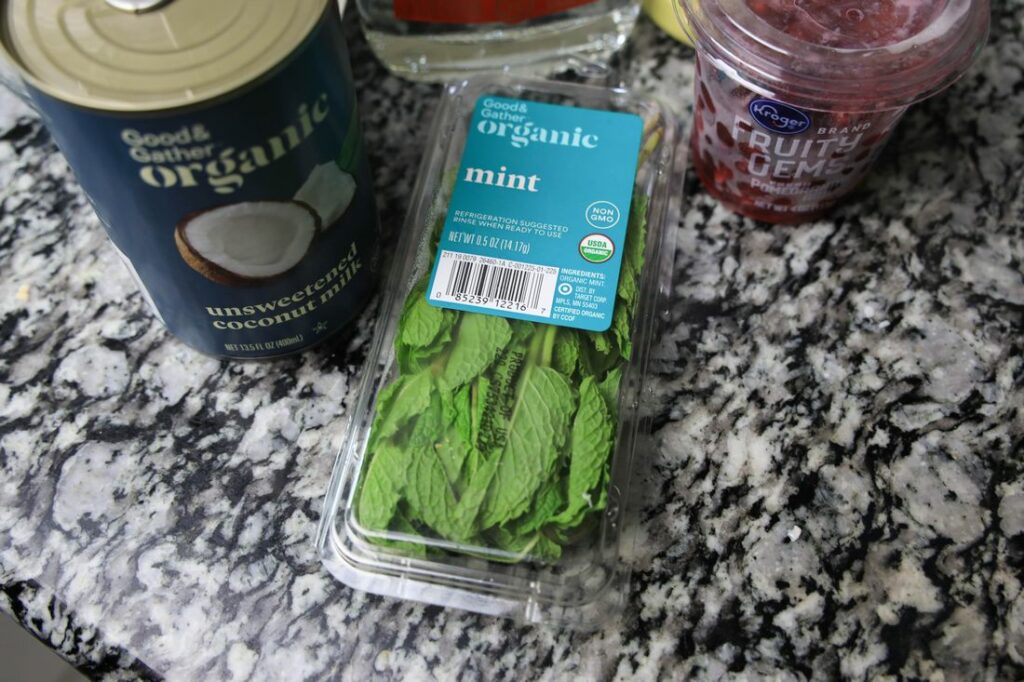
(597,248)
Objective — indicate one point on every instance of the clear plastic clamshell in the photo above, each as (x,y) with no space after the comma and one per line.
(506,493)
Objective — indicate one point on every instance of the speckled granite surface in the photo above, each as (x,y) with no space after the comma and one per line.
(837,489)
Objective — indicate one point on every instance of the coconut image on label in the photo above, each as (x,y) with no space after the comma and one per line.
(329,191)
(248,243)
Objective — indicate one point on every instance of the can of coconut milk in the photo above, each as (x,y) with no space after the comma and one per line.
(220,146)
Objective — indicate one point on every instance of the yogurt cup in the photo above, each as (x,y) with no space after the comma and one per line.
(795,99)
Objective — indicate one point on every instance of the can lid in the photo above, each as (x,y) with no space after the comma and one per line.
(131,56)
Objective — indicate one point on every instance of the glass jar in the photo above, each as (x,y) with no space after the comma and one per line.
(437,40)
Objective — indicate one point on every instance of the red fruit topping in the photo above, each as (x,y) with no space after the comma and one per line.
(724,135)
(746,150)
(707,98)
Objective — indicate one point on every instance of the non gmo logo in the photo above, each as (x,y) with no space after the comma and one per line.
(779,118)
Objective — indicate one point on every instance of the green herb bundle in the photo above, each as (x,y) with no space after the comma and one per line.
(498,433)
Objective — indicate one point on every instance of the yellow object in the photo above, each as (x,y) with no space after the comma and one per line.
(663,14)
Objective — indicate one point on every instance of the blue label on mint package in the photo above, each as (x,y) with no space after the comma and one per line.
(538,217)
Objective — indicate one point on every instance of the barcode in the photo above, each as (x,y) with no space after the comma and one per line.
(494,283)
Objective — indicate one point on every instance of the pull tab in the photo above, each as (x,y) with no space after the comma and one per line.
(136,6)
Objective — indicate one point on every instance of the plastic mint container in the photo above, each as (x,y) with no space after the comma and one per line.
(490,453)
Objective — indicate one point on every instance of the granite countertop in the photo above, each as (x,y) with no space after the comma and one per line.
(836,491)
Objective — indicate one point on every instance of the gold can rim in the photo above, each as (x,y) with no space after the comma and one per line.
(182,53)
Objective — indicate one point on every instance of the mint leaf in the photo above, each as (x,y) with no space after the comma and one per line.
(478,404)
(536,432)
(628,291)
(509,541)
(548,501)
(567,352)
(429,429)
(415,359)
(522,330)
(590,446)
(602,343)
(468,508)
(452,450)
(600,353)
(382,487)
(478,341)
(403,525)
(474,462)
(535,545)
(424,331)
(500,399)
(622,332)
(610,391)
(428,492)
(636,236)
(428,489)
(421,323)
(546,549)
(463,421)
(400,403)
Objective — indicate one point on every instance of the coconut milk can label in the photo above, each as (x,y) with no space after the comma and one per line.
(249,220)
(539,214)
(248,241)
